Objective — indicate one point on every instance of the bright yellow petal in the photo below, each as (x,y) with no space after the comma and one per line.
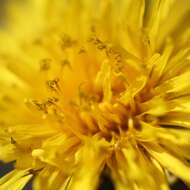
(170,162)
(15,180)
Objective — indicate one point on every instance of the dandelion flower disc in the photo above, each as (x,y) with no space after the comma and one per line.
(92,87)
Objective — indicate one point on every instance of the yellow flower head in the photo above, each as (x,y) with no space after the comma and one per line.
(95,86)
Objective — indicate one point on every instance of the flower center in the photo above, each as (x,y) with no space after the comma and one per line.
(99,100)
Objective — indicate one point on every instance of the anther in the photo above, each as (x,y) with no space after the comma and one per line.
(53,85)
(45,64)
(13,141)
(40,106)
(66,62)
(81,50)
(33,171)
(66,42)
(97,42)
(52,101)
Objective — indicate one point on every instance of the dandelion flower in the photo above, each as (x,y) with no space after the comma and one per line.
(92,87)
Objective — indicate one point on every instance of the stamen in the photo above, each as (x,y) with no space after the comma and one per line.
(66,42)
(82,50)
(13,141)
(45,64)
(60,116)
(114,54)
(67,63)
(130,124)
(52,101)
(33,171)
(41,106)
(97,42)
(53,85)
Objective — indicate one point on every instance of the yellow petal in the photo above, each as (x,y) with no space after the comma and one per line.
(103,80)
(138,171)
(91,160)
(176,119)
(52,179)
(15,180)
(170,162)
